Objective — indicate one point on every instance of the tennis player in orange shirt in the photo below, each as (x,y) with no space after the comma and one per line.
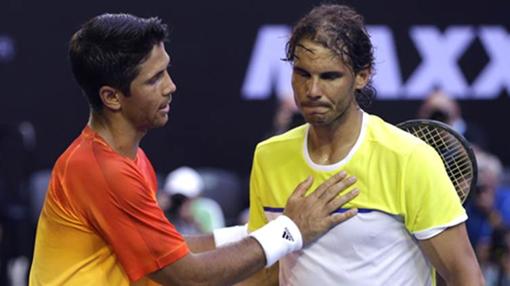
(101,225)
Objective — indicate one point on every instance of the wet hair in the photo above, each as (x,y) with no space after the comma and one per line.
(341,29)
(109,49)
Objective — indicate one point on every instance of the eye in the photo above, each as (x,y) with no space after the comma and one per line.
(156,78)
(301,72)
(331,75)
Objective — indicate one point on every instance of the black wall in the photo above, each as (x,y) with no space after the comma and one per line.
(211,45)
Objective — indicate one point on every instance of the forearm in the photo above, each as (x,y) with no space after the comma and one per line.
(223,266)
(466,274)
(228,264)
(237,260)
(466,281)
(200,243)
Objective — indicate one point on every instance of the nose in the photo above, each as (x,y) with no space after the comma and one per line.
(169,86)
(313,88)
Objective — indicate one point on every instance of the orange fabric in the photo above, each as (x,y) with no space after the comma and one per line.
(100,224)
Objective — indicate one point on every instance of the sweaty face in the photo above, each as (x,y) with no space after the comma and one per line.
(323,84)
(148,104)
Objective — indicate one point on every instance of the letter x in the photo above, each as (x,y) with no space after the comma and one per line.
(440,53)
(496,74)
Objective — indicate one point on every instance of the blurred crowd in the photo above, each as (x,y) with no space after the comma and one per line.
(198,200)
(488,205)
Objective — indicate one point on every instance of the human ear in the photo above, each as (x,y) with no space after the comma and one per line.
(362,78)
(110,97)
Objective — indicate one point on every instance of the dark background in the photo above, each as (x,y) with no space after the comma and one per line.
(210,44)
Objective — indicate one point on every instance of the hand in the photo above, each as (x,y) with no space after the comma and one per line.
(313,214)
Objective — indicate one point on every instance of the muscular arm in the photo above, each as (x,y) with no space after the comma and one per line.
(206,242)
(452,255)
(223,266)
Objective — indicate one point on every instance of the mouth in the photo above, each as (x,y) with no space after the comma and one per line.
(165,107)
(315,108)
(314,104)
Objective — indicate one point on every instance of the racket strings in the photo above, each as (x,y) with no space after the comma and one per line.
(453,154)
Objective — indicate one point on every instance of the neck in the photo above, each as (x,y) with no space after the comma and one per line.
(122,137)
(328,144)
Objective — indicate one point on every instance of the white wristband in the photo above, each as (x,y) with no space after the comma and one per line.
(230,234)
(278,238)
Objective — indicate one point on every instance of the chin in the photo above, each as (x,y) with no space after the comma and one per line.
(160,123)
(316,120)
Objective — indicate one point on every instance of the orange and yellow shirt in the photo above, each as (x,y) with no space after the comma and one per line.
(101,224)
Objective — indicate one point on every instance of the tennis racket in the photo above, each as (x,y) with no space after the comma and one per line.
(456,153)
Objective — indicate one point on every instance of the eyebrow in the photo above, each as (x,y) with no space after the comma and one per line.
(299,69)
(160,72)
(322,74)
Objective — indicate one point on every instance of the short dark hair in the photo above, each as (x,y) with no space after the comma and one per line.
(108,50)
(341,29)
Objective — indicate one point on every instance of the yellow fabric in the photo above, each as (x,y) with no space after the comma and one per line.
(397,174)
